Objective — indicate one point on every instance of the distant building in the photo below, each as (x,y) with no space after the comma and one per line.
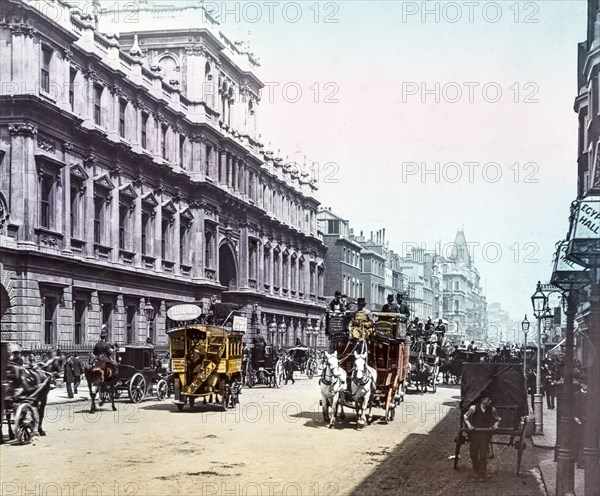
(464,304)
(343,258)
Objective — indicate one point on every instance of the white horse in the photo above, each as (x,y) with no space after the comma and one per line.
(363,384)
(333,383)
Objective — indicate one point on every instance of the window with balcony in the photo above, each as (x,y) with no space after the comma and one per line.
(47,53)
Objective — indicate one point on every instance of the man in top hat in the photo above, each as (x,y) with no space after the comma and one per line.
(390,306)
(402,307)
(337,305)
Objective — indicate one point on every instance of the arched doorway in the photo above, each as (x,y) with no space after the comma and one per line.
(227,267)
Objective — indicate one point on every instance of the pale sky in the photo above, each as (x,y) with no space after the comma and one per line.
(380,121)
(362,108)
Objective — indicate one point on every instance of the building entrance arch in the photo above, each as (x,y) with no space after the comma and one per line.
(227,267)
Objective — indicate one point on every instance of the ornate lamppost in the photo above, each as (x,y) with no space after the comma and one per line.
(538,301)
(150,312)
(525,326)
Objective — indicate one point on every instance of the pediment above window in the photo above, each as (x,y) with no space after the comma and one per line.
(78,172)
(103,182)
(128,192)
(150,200)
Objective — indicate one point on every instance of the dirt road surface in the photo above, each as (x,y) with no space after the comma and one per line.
(275,442)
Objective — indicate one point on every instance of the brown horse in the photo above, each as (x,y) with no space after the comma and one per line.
(100,377)
(25,386)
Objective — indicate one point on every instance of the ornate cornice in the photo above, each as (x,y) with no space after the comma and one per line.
(21,28)
(22,129)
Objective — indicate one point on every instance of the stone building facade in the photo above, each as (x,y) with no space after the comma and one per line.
(132,175)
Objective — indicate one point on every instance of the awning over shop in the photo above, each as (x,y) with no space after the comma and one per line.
(556,349)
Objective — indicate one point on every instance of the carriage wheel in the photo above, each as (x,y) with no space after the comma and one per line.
(137,388)
(250,377)
(278,376)
(161,389)
(26,421)
(520,447)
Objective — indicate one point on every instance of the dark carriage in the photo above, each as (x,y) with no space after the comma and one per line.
(388,350)
(505,384)
(22,409)
(265,366)
(140,374)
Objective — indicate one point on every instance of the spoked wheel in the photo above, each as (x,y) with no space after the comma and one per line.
(250,375)
(137,388)
(26,422)
(161,389)
(278,375)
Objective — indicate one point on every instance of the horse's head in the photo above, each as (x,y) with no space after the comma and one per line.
(100,372)
(332,364)
(360,365)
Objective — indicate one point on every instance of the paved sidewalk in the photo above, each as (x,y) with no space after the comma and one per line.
(58,395)
(548,465)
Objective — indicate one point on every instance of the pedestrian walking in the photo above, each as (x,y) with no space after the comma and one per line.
(69,376)
(549,377)
(77,371)
(531,385)
(481,415)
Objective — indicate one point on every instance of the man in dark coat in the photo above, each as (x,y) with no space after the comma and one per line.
(390,306)
(337,305)
(69,375)
(77,371)
(104,351)
(481,415)
(402,307)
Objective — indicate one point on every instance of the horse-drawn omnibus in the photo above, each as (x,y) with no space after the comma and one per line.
(206,359)
(380,349)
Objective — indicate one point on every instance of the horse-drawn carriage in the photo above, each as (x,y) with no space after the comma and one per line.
(23,396)
(423,371)
(373,358)
(264,366)
(452,368)
(505,385)
(139,374)
(206,360)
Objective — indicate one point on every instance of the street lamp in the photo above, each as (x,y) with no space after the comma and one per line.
(272,330)
(538,301)
(525,326)
(149,311)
